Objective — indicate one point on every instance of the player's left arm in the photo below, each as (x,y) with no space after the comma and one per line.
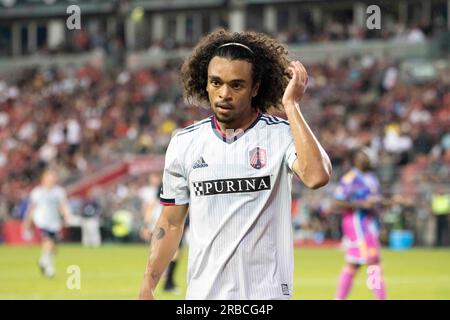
(65,209)
(28,216)
(313,166)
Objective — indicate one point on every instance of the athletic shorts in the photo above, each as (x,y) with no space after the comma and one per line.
(361,239)
(47,234)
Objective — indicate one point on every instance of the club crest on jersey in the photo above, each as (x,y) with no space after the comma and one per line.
(258,157)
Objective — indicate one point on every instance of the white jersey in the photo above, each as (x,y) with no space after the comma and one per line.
(47,204)
(239,195)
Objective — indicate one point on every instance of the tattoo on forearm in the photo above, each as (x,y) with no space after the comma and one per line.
(161,233)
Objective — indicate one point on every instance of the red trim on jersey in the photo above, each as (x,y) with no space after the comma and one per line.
(218,128)
(167,203)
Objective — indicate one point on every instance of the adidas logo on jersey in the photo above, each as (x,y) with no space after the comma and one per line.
(200,163)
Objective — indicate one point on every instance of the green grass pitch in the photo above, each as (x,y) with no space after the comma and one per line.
(115,272)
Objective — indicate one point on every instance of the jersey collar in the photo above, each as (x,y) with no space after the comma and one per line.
(230,139)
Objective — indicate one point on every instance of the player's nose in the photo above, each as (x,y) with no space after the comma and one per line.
(225,93)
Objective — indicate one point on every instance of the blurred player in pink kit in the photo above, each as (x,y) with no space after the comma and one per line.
(358,198)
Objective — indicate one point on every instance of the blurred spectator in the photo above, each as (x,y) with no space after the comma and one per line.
(91,211)
(151,208)
(440,206)
(122,225)
(415,35)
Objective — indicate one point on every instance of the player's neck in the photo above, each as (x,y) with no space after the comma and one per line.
(47,186)
(242,123)
(362,170)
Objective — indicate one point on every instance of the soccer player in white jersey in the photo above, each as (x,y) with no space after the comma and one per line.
(233,171)
(47,202)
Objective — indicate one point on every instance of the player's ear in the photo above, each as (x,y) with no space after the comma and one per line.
(255,89)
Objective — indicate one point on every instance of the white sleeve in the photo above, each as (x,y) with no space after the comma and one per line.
(62,194)
(33,196)
(174,189)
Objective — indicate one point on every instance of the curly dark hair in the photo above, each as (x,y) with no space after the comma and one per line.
(269,59)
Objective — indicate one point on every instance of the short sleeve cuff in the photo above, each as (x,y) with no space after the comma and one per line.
(172,201)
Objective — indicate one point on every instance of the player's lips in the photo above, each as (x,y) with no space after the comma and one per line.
(224,105)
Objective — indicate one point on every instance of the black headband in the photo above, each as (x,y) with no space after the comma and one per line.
(236,44)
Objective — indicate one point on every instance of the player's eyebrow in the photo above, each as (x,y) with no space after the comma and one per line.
(217,78)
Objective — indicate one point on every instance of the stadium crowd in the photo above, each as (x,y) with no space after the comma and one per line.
(337,31)
(84,41)
(79,120)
